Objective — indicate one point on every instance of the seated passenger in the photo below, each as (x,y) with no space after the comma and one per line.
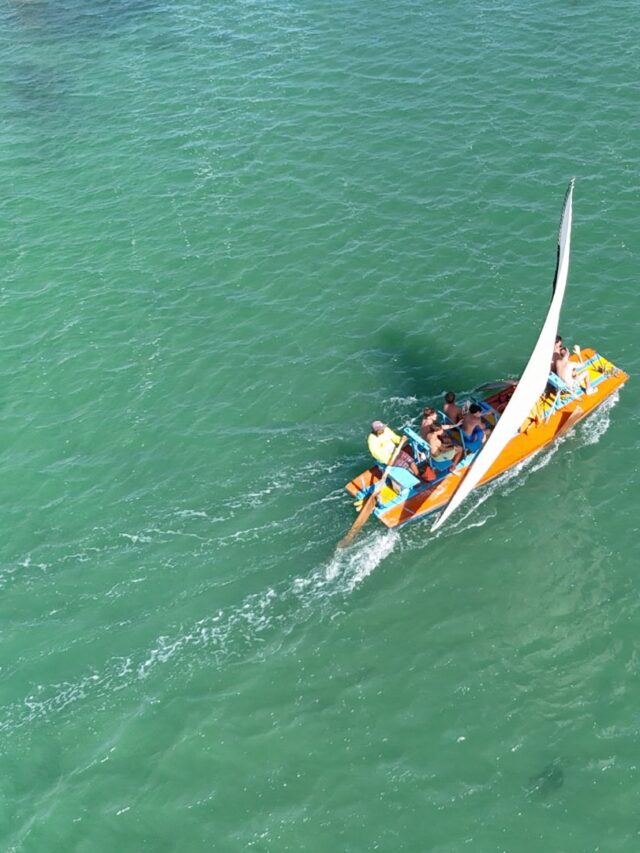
(556,358)
(451,408)
(556,351)
(473,430)
(568,371)
(382,443)
(430,419)
(439,451)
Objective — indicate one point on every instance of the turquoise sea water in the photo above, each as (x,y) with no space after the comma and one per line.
(232,234)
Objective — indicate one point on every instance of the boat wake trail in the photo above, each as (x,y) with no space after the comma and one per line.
(349,567)
(267,617)
(591,430)
(251,630)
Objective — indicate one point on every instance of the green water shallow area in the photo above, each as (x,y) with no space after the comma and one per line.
(231,235)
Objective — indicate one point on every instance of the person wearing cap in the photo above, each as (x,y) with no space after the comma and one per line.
(382,443)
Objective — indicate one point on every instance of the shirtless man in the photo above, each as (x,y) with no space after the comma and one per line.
(440,452)
(567,371)
(451,408)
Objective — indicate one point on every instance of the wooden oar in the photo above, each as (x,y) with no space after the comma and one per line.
(370,503)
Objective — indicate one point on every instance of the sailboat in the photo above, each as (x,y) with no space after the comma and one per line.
(523,417)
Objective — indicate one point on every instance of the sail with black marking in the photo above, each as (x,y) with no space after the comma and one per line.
(532,382)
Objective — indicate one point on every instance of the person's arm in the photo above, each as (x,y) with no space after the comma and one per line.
(395,438)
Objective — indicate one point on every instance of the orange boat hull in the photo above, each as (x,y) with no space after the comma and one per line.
(537,434)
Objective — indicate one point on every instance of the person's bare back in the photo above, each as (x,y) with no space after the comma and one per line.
(441,452)
(451,408)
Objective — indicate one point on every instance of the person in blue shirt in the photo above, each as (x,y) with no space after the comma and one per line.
(473,429)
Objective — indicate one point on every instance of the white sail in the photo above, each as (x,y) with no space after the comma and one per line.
(532,382)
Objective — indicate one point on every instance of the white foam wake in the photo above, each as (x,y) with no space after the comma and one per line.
(593,427)
(349,567)
(235,632)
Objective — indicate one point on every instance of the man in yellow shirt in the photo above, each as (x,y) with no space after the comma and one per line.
(382,443)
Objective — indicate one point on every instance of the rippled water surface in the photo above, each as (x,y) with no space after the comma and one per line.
(231,234)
